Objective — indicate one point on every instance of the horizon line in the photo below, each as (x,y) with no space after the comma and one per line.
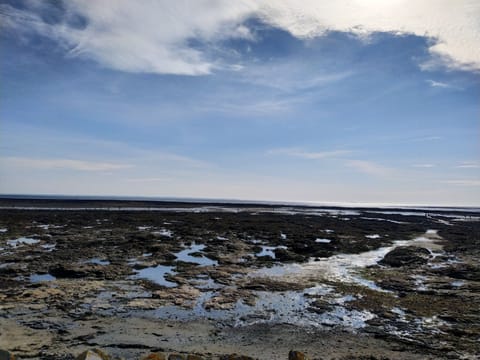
(179,199)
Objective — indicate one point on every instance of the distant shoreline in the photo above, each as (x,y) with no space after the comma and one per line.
(68,202)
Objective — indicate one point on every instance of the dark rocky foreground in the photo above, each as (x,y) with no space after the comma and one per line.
(132,278)
(97,354)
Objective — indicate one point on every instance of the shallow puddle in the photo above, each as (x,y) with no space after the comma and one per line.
(285,307)
(206,283)
(157,275)
(277,270)
(22,241)
(344,267)
(36,278)
(269,251)
(163,232)
(48,247)
(97,261)
(185,255)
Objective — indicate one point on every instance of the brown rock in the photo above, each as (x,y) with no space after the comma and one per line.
(194,357)
(235,357)
(296,355)
(176,357)
(155,356)
(94,354)
(6,355)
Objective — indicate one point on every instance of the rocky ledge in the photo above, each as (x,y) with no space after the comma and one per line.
(97,354)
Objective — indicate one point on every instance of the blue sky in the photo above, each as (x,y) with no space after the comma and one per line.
(256,100)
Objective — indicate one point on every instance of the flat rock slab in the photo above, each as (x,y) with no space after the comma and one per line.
(21,339)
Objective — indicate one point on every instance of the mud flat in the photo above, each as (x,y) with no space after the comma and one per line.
(259,280)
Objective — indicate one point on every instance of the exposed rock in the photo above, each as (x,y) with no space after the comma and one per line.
(401,285)
(77,271)
(94,354)
(268,284)
(48,320)
(285,255)
(12,269)
(461,271)
(26,342)
(194,357)
(155,356)
(227,298)
(406,255)
(296,355)
(6,355)
(42,293)
(176,357)
(145,304)
(320,306)
(235,357)
(184,295)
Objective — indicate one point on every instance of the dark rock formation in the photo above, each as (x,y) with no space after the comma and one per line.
(176,357)
(235,357)
(406,256)
(296,355)
(6,355)
(285,255)
(461,271)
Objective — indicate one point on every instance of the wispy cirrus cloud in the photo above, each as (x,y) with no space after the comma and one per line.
(148,36)
(424,166)
(363,166)
(442,85)
(463,182)
(300,153)
(56,163)
(370,168)
(469,165)
(425,138)
(236,105)
(150,179)
(438,84)
(292,75)
(161,36)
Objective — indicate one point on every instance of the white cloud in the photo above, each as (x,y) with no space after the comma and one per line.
(150,179)
(50,163)
(296,152)
(469,165)
(453,25)
(370,168)
(236,105)
(292,75)
(438,84)
(148,36)
(463,182)
(442,85)
(425,166)
(154,35)
(163,158)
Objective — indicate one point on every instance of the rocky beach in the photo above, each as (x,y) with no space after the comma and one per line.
(136,277)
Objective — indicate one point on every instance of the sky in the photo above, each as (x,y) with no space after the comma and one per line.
(352,101)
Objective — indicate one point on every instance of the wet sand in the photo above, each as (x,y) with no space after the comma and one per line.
(336,283)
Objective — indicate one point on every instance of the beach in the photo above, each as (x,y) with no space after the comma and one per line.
(134,277)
